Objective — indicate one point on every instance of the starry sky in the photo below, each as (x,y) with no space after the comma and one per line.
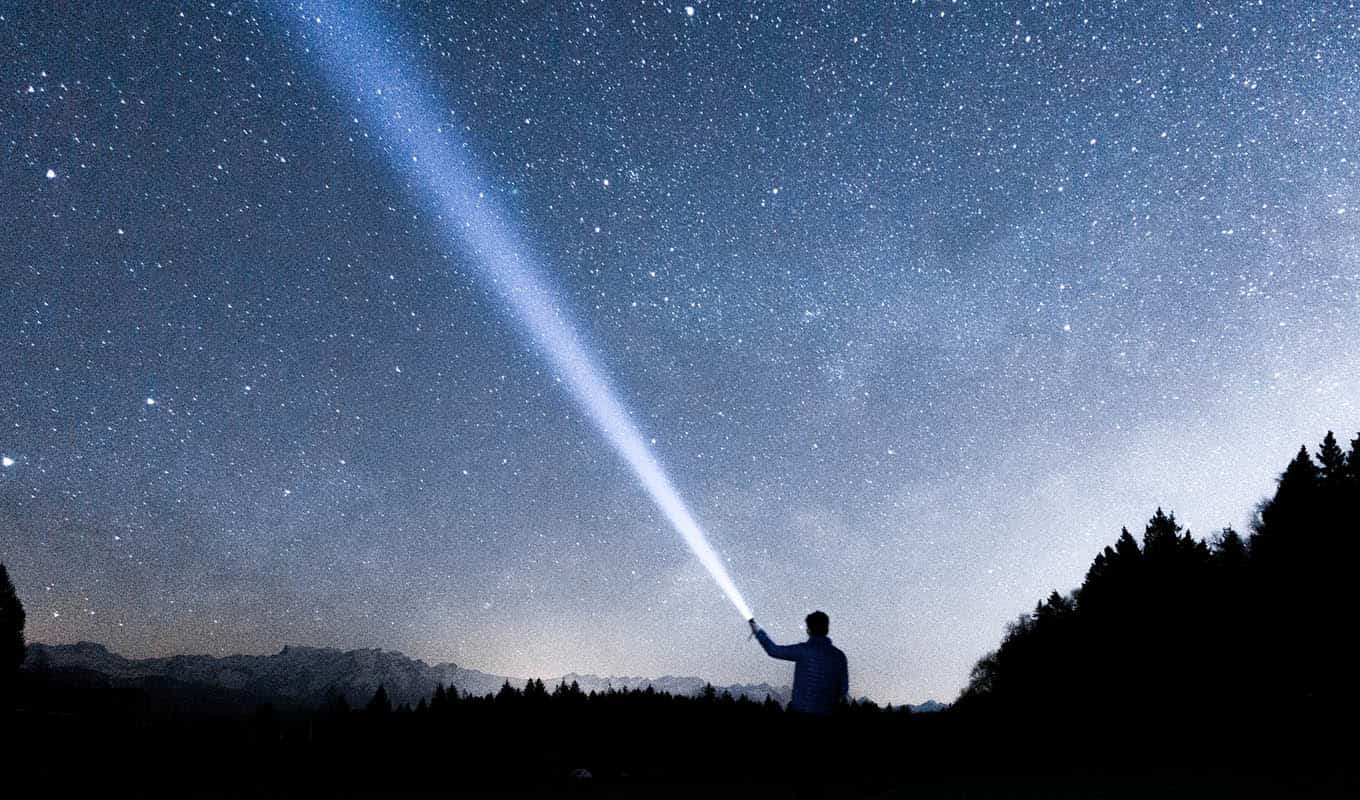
(917,303)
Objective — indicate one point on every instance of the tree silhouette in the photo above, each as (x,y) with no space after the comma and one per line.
(1230,551)
(11,633)
(1291,510)
(571,695)
(380,703)
(1161,536)
(508,696)
(1191,628)
(1331,462)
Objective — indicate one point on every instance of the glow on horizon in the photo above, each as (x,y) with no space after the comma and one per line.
(400,104)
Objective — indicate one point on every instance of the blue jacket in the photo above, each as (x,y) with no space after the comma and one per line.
(820,676)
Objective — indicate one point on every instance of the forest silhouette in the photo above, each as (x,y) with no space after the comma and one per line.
(1179,664)
(1210,631)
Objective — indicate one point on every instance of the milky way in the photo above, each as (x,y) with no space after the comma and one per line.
(918,304)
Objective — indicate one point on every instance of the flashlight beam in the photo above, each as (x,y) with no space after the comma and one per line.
(401,105)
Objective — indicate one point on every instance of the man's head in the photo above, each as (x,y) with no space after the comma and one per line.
(817,623)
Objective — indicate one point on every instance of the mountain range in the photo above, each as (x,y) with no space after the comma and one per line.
(308,676)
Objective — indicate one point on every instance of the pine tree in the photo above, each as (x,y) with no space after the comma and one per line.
(1331,462)
(1112,572)
(1288,515)
(11,628)
(1126,549)
(1300,477)
(1229,549)
(381,703)
(1161,536)
(1053,609)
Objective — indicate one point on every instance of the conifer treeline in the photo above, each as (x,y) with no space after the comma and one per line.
(1201,631)
(621,735)
(535,698)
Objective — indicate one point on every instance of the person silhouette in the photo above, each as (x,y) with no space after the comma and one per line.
(821,678)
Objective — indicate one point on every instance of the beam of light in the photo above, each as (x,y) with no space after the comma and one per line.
(400,103)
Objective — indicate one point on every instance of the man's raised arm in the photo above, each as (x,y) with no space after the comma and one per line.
(780,651)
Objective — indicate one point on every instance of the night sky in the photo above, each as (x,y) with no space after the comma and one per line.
(917,304)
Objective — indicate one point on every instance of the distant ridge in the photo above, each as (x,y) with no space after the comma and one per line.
(306,675)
